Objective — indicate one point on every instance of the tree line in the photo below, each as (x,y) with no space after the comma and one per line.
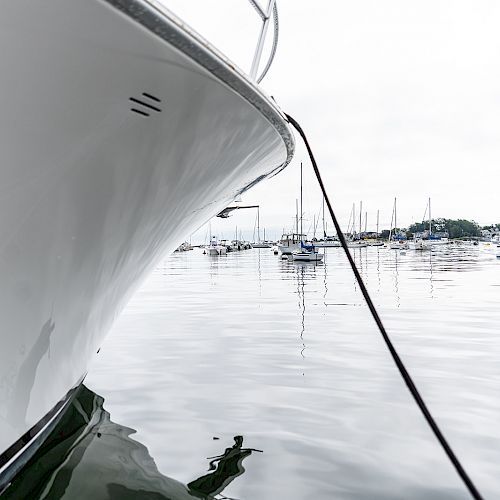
(455,228)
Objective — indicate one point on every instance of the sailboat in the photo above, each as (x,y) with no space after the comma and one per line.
(327,241)
(420,243)
(354,241)
(375,242)
(306,252)
(260,243)
(397,241)
(291,241)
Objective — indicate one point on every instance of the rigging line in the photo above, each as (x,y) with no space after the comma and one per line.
(395,356)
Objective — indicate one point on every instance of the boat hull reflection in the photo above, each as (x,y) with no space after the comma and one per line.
(89,456)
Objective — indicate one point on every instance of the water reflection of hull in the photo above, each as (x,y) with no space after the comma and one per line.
(97,186)
(87,444)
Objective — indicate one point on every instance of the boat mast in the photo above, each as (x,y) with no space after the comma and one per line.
(353,221)
(349,223)
(258,224)
(301,200)
(360,215)
(366,221)
(377,221)
(430,220)
(324,231)
(395,214)
(296,216)
(392,219)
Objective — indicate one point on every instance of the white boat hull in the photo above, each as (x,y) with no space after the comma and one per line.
(288,249)
(307,256)
(427,244)
(399,245)
(356,244)
(92,193)
(217,250)
(327,244)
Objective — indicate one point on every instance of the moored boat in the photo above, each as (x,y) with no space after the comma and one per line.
(113,149)
(307,253)
(290,242)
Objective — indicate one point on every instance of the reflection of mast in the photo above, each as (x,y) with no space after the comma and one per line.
(396,280)
(302,305)
(430,277)
(378,268)
(325,280)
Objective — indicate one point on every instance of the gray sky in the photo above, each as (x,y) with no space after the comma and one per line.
(398,98)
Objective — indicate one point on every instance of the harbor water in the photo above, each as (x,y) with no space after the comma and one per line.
(248,376)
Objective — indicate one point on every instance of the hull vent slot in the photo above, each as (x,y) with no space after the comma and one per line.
(146,104)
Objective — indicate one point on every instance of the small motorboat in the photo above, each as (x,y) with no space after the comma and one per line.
(307,253)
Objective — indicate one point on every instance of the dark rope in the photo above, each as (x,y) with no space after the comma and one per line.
(395,356)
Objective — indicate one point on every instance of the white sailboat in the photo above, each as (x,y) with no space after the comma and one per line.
(422,243)
(354,240)
(327,241)
(396,241)
(260,243)
(306,252)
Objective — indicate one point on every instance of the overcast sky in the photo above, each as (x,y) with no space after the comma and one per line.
(398,98)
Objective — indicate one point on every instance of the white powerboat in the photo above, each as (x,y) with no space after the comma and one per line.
(290,242)
(307,253)
(328,242)
(398,245)
(115,125)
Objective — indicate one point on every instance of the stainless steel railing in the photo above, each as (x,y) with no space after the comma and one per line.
(272,10)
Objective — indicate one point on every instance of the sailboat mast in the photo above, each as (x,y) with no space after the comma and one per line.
(258,224)
(392,219)
(296,216)
(377,221)
(430,219)
(395,222)
(324,231)
(353,220)
(301,199)
(360,215)
(366,221)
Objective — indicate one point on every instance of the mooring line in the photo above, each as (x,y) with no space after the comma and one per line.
(395,356)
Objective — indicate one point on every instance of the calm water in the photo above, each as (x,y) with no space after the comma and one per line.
(277,373)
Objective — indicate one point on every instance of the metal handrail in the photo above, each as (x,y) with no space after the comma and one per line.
(272,9)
